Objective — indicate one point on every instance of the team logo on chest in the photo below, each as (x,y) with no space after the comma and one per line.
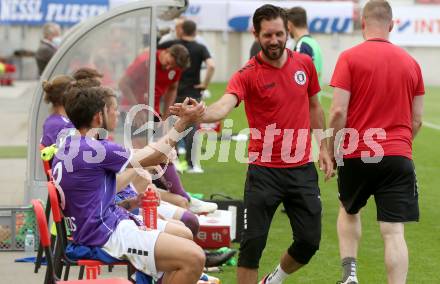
(300,77)
(171,74)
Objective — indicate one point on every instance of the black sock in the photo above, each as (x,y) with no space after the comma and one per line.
(348,267)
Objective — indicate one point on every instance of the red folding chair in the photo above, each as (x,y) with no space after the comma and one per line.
(92,266)
(60,257)
(48,172)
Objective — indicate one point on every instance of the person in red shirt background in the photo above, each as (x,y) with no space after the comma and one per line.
(134,85)
(378,92)
(279,90)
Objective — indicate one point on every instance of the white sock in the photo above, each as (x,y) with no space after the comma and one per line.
(277,276)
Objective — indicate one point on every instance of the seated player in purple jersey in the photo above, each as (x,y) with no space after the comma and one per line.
(85,171)
(54,93)
(170,181)
(171,210)
(86,77)
(129,198)
(57,122)
(130,183)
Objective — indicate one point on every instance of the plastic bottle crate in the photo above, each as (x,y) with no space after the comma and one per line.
(14,222)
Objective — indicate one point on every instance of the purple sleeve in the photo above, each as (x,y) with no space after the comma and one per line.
(46,140)
(127,193)
(116,157)
(49,133)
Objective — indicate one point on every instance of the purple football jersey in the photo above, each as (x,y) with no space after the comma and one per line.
(52,126)
(84,170)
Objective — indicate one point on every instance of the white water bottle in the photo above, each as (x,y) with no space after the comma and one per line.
(29,243)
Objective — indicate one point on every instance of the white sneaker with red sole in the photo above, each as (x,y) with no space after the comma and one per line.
(201,207)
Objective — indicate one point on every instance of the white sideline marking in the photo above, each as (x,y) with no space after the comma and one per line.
(431,125)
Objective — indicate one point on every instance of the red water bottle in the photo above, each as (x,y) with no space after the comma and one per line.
(149,208)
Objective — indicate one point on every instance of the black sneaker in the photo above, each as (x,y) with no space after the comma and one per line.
(215,258)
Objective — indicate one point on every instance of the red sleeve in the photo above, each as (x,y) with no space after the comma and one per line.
(313,87)
(341,75)
(178,75)
(236,86)
(420,88)
(137,69)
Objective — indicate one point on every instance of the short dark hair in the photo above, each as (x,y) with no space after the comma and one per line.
(86,78)
(82,104)
(108,95)
(189,28)
(268,12)
(86,83)
(297,16)
(86,73)
(181,54)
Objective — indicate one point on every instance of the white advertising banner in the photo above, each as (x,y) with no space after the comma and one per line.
(209,15)
(416,25)
(39,12)
(323,17)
